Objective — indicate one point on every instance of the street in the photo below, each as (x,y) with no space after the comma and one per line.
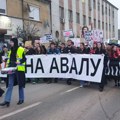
(58,101)
(70,42)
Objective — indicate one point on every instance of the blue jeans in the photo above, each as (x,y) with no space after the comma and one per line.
(82,82)
(8,94)
(21,93)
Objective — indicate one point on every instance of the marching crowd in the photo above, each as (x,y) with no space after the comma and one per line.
(16,57)
(111,51)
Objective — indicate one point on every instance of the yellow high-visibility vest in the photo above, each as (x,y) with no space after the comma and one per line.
(19,56)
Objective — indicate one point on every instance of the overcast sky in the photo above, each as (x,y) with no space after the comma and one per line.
(117,4)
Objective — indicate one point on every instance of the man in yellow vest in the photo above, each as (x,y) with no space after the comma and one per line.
(16,58)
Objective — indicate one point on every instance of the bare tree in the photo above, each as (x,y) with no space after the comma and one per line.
(29,32)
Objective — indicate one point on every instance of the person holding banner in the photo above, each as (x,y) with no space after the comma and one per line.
(87,48)
(69,50)
(101,51)
(115,53)
(29,49)
(114,62)
(39,50)
(119,51)
(82,50)
(62,48)
(94,48)
(16,58)
(52,50)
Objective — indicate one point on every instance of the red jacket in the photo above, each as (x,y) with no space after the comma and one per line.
(116,54)
(92,51)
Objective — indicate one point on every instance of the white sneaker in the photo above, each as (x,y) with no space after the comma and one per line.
(81,86)
(33,82)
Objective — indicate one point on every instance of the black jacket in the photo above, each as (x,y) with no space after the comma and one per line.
(70,50)
(80,51)
(31,51)
(19,75)
(100,51)
(62,50)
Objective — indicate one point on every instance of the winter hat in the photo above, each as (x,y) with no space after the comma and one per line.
(15,40)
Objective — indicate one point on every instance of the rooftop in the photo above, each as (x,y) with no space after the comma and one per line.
(111,4)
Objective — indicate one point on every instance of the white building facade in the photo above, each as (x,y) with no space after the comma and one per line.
(74,14)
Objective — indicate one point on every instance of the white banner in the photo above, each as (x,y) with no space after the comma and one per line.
(80,67)
(94,35)
(97,35)
(76,41)
(46,38)
(88,35)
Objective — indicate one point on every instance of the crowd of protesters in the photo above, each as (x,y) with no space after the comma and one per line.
(111,51)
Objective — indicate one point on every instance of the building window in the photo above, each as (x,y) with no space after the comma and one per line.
(113,13)
(90,21)
(103,25)
(106,10)
(89,5)
(2,6)
(94,23)
(113,29)
(98,24)
(98,5)
(61,12)
(84,20)
(77,17)
(34,13)
(70,15)
(110,27)
(106,26)
(102,9)
(94,4)
(109,11)
(119,34)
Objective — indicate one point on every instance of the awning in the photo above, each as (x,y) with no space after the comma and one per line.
(3,31)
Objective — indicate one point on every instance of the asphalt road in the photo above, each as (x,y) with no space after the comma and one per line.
(62,102)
